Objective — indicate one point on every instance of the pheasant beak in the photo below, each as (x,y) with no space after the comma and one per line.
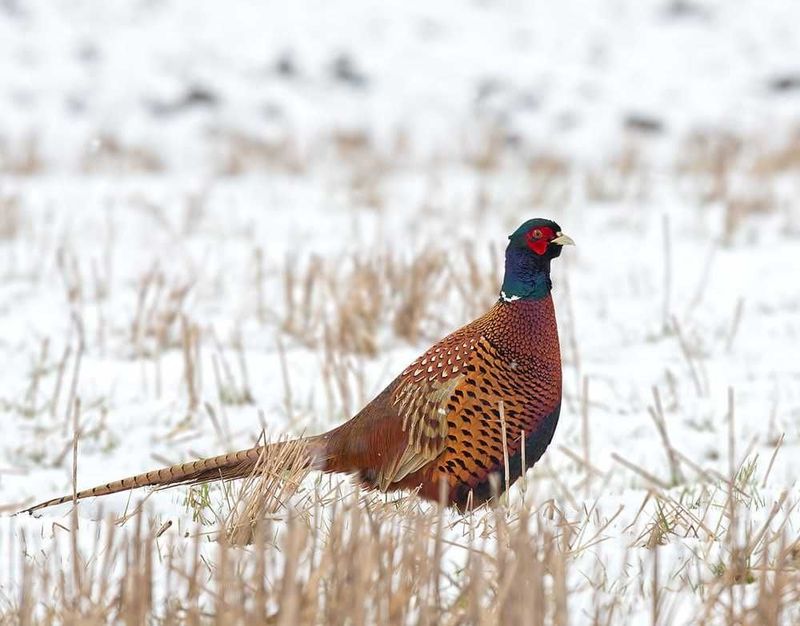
(562,239)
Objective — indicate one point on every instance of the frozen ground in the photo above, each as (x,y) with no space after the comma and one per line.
(167,169)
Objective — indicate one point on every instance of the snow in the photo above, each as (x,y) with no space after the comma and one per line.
(136,112)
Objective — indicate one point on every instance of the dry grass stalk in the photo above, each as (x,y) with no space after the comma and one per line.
(240,153)
(60,370)
(359,560)
(737,318)
(485,151)
(585,433)
(550,180)
(573,356)
(229,390)
(353,299)
(107,154)
(23,157)
(38,369)
(258,279)
(190,344)
(622,176)
(276,477)
(694,365)
(156,323)
(667,247)
(353,560)
(657,414)
(10,217)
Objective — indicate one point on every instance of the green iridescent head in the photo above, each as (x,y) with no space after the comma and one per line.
(530,249)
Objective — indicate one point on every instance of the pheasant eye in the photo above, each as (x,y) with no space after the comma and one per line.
(537,234)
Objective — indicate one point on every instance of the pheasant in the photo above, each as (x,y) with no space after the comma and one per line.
(480,402)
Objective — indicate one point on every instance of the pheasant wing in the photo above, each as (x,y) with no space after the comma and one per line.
(423,399)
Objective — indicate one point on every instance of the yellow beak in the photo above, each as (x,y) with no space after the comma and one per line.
(562,239)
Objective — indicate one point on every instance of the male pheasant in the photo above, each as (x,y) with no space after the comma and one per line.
(443,417)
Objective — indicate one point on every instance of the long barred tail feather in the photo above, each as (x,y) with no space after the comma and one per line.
(223,467)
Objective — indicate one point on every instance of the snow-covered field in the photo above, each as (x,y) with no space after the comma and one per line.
(222,217)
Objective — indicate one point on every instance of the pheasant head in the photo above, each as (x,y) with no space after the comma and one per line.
(530,249)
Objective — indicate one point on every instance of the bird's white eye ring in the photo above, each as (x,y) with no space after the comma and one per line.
(537,234)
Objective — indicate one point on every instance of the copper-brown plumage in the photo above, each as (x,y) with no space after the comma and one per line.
(443,418)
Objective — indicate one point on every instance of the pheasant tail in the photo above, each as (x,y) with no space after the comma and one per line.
(223,467)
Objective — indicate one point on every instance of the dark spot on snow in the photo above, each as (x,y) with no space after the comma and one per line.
(344,69)
(785,83)
(87,52)
(643,123)
(273,111)
(286,66)
(75,104)
(527,101)
(195,96)
(200,96)
(685,9)
(486,89)
(13,8)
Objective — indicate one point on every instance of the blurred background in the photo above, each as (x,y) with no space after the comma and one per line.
(157,86)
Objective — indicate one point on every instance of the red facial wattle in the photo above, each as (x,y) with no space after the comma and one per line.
(539,238)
